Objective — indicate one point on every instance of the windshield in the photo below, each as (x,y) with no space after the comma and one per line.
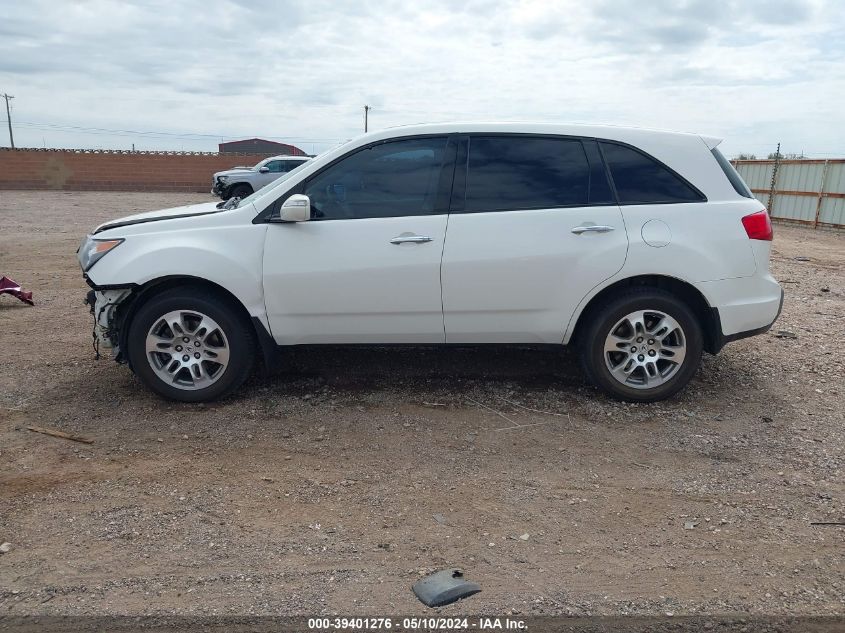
(256,194)
(271,189)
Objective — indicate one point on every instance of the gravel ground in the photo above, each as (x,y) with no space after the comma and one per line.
(335,486)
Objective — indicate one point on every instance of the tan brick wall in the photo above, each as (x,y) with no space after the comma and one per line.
(72,170)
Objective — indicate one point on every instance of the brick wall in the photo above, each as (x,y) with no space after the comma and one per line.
(78,170)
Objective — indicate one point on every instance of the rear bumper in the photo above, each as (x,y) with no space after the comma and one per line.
(744,303)
(722,339)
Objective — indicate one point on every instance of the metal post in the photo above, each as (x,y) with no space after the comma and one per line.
(771,202)
(366,112)
(821,195)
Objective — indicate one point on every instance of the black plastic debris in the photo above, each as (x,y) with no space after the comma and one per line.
(444,587)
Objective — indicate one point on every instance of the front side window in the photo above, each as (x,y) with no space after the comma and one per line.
(513,172)
(393,179)
(275,166)
(639,179)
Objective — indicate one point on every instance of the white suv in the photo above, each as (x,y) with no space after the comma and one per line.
(640,248)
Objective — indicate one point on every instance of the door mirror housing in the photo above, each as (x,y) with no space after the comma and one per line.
(297,208)
(263,170)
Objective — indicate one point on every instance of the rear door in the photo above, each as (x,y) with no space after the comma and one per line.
(366,268)
(291,164)
(534,227)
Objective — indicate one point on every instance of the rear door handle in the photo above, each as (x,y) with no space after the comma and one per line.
(593,228)
(413,239)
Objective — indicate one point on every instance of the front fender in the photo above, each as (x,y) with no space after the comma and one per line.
(229,256)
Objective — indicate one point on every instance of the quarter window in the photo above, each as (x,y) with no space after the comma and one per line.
(392,179)
(511,172)
(733,176)
(639,179)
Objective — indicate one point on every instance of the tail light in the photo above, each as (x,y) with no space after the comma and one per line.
(758,226)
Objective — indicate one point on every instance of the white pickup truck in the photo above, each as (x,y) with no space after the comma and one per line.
(239,182)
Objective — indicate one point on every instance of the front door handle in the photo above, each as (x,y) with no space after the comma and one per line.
(594,228)
(413,239)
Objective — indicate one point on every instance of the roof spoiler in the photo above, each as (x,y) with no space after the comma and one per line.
(711,141)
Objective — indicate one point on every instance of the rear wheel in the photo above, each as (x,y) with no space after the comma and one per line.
(642,346)
(190,345)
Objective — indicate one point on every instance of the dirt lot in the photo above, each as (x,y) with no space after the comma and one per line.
(332,488)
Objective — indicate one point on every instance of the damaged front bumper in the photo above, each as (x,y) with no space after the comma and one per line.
(105,304)
(219,188)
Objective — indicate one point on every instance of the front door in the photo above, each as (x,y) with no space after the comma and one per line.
(275,168)
(366,267)
(536,230)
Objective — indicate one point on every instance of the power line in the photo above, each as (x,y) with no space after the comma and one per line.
(9,119)
(820,152)
(60,127)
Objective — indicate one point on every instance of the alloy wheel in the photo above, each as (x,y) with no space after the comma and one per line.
(645,349)
(187,349)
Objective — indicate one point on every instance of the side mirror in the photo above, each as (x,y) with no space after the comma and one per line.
(297,208)
(263,170)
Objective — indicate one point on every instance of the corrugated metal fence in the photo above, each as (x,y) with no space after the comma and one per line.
(810,192)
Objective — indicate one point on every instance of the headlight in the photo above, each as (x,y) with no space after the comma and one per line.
(92,250)
(222,178)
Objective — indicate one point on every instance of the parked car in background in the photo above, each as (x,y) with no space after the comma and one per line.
(639,248)
(243,181)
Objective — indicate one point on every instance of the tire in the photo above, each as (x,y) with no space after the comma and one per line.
(240,191)
(629,353)
(215,360)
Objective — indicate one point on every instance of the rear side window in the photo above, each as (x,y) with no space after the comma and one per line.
(736,180)
(639,179)
(290,165)
(510,172)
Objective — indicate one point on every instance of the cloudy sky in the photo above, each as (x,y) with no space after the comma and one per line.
(184,75)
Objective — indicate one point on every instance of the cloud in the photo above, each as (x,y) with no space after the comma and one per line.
(754,71)
(779,11)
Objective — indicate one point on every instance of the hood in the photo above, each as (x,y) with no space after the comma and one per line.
(234,171)
(164,214)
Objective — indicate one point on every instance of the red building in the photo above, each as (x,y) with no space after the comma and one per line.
(259,146)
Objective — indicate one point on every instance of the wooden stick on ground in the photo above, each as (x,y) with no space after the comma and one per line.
(61,434)
(521,426)
(522,406)
(499,413)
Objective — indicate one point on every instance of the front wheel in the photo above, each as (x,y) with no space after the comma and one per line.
(644,345)
(240,191)
(190,345)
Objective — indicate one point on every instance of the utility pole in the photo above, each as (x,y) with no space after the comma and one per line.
(9,119)
(366,112)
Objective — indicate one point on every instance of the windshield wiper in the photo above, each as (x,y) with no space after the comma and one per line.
(231,203)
